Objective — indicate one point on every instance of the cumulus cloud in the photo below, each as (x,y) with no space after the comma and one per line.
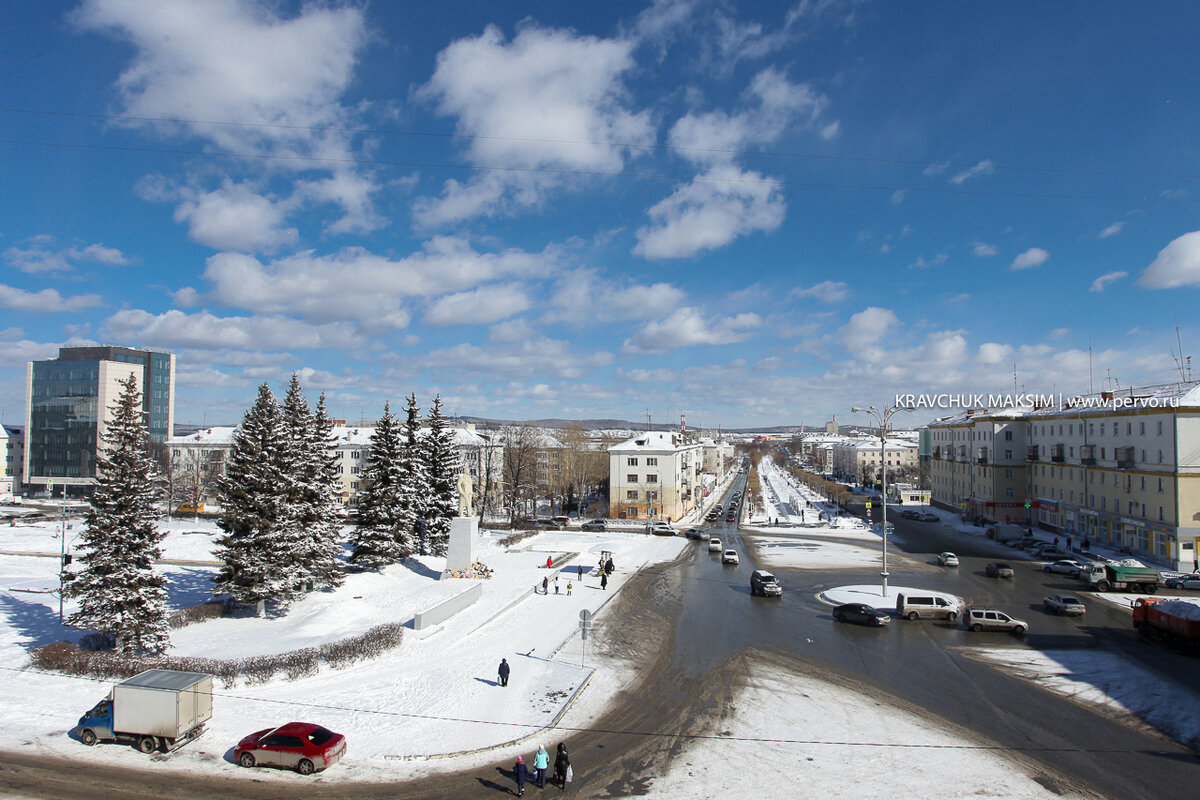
(1177,264)
(688,327)
(985,167)
(984,250)
(991,353)
(710,212)
(514,360)
(548,99)
(1033,257)
(1100,283)
(924,263)
(175,329)
(42,256)
(825,291)
(607,301)
(46,300)
(357,284)
(481,306)
(867,327)
(236,217)
(1112,230)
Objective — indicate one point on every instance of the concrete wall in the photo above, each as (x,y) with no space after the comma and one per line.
(448,608)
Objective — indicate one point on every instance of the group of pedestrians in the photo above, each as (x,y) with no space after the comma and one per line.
(563,774)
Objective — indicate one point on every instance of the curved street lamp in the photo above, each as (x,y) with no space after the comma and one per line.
(882,418)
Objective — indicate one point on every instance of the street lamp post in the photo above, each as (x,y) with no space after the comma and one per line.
(882,418)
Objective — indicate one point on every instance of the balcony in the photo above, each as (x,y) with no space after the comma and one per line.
(1087,455)
(981,456)
(1031,453)
(1058,453)
(1124,456)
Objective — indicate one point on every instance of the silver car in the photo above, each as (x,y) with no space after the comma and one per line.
(1064,605)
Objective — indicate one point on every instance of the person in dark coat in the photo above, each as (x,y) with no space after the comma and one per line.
(503,672)
(609,567)
(581,573)
(561,762)
(520,772)
(546,585)
(604,580)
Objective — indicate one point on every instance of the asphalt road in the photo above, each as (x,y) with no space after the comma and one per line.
(692,626)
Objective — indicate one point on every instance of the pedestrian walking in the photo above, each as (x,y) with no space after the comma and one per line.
(520,772)
(1087,543)
(604,580)
(556,584)
(609,568)
(561,764)
(541,760)
(580,568)
(503,672)
(568,588)
(546,585)
(549,562)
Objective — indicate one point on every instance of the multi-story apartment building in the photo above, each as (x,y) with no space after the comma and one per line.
(1117,468)
(655,474)
(69,402)
(12,447)
(862,457)
(977,465)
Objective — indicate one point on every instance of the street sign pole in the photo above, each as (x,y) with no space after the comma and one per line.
(585,625)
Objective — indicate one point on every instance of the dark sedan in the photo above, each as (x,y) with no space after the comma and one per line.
(861,614)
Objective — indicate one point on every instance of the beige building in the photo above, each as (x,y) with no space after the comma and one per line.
(977,465)
(654,475)
(862,457)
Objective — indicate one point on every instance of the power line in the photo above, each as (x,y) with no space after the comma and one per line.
(628,732)
(593,143)
(594,173)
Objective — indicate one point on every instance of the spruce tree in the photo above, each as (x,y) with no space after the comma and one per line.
(324,564)
(119,591)
(442,467)
(414,481)
(253,495)
(384,532)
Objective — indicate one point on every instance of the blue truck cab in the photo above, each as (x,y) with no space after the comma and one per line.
(158,709)
(97,724)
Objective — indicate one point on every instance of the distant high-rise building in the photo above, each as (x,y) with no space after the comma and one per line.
(832,425)
(68,402)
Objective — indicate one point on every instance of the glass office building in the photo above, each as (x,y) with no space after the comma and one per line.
(69,401)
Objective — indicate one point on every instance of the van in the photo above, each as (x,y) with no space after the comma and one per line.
(764,584)
(932,606)
(991,619)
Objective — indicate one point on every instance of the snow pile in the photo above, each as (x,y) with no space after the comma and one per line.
(1183,608)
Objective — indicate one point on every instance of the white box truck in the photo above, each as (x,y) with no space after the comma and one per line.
(159,709)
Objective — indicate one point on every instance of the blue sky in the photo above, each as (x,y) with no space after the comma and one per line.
(749,213)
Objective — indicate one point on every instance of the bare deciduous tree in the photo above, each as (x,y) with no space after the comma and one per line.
(520,465)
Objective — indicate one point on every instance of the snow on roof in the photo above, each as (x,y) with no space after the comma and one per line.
(653,441)
(353,435)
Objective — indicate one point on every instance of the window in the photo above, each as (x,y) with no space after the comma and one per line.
(354,470)
(1008,454)
(1160,427)
(631,478)
(651,479)
(1102,477)
(651,462)
(1102,428)
(353,484)
(1129,429)
(631,494)
(1160,486)
(1103,503)
(1102,456)
(1008,436)
(1160,513)
(1143,483)
(1141,428)
(1008,473)
(651,497)
(1160,458)
(631,462)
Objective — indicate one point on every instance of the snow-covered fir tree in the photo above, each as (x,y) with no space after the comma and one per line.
(118,589)
(442,468)
(253,497)
(384,534)
(414,480)
(325,565)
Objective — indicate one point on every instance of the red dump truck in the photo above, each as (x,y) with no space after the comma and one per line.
(1176,622)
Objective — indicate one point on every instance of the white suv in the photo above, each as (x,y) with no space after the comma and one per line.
(714,545)
(729,557)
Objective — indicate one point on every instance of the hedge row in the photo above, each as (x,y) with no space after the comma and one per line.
(514,538)
(68,658)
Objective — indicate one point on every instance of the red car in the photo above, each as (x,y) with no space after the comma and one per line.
(301,746)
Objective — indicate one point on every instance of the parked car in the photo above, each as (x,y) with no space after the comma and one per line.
(928,516)
(1052,554)
(1064,605)
(729,557)
(595,525)
(979,618)
(862,614)
(947,559)
(999,569)
(549,523)
(563,522)
(301,746)
(764,584)
(1064,566)
(660,528)
(910,513)
(714,545)
(1184,581)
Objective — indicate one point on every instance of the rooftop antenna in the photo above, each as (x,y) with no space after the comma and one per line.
(1182,363)
(1014,375)
(647,420)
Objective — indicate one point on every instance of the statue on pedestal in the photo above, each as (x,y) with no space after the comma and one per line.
(466,495)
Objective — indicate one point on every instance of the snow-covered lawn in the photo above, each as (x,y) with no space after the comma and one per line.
(1104,681)
(801,552)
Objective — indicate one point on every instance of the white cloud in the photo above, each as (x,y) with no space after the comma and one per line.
(513,330)
(984,250)
(236,217)
(899,196)
(985,167)
(583,289)
(514,360)
(1033,257)
(20,352)
(481,306)
(825,291)
(46,300)
(41,256)
(935,169)
(710,212)
(352,193)
(359,285)
(991,353)
(1177,264)
(548,99)
(688,327)
(176,329)
(1112,230)
(922,263)
(867,327)
(1102,282)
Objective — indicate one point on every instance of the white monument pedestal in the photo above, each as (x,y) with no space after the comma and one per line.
(460,554)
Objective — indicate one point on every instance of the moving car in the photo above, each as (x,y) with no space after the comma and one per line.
(729,557)
(1184,581)
(979,618)
(910,513)
(948,559)
(862,614)
(1065,566)
(695,533)
(931,605)
(714,545)
(764,584)
(928,516)
(301,746)
(1064,605)
(551,523)
(660,528)
(999,569)
(595,525)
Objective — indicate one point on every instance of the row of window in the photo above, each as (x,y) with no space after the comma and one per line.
(632,478)
(632,494)
(651,461)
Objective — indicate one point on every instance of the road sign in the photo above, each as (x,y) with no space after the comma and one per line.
(868,505)
(585,615)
